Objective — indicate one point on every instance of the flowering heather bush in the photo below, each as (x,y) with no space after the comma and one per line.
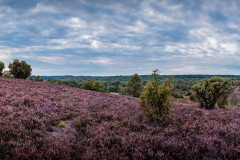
(104,126)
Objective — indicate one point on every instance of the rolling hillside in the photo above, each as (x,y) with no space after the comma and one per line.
(47,121)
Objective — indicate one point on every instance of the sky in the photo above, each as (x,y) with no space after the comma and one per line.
(121,37)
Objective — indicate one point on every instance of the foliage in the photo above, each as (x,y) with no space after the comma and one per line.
(177,95)
(210,91)
(223,102)
(103,126)
(93,85)
(118,84)
(189,93)
(113,86)
(7,74)
(19,69)
(2,66)
(134,86)
(193,98)
(155,99)
(39,79)
(123,91)
(71,85)
(62,124)
(234,99)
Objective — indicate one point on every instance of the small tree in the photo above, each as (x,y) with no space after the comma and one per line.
(93,85)
(71,85)
(210,91)
(38,78)
(20,69)
(2,66)
(134,86)
(155,99)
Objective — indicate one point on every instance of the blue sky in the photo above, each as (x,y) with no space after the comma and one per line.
(122,37)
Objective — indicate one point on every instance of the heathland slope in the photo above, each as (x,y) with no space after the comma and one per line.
(98,125)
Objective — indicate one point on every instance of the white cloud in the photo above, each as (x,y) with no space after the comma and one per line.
(231,48)
(101,61)
(5,53)
(95,44)
(52,60)
(73,22)
(41,8)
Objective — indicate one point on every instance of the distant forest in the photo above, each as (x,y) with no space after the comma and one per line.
(182,83)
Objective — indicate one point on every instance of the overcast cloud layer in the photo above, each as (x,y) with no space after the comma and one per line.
(122,37)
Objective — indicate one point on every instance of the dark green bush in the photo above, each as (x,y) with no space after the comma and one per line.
(20,69)
(210,91)
(189,93)
(223,102)
(2,66)
(155,98)
(71,85)
(134,86)
(39,79)
(193,98)
(93,85)
(177,95)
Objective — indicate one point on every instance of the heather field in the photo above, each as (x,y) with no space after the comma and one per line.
(39,120)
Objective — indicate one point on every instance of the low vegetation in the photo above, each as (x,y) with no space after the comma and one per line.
(208,92)
(155,98)
(93,85)
(38,78)
(49,121)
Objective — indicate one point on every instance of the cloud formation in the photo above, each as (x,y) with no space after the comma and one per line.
(118,37)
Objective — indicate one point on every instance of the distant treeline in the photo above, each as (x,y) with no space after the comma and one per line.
(182,83)
(126,78)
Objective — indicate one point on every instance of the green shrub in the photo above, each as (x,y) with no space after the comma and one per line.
(189,93)
(93,85)
(223,102)
(193,98)
(177,95)
(39,79)
(155,98)
(71,85)
(210,91)
(2,66)
(62,124)
(134,86)
(7,74)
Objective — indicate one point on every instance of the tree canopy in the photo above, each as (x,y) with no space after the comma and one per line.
(2,66)
(93,85)
(210,91)
(19,69)
(134,86)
